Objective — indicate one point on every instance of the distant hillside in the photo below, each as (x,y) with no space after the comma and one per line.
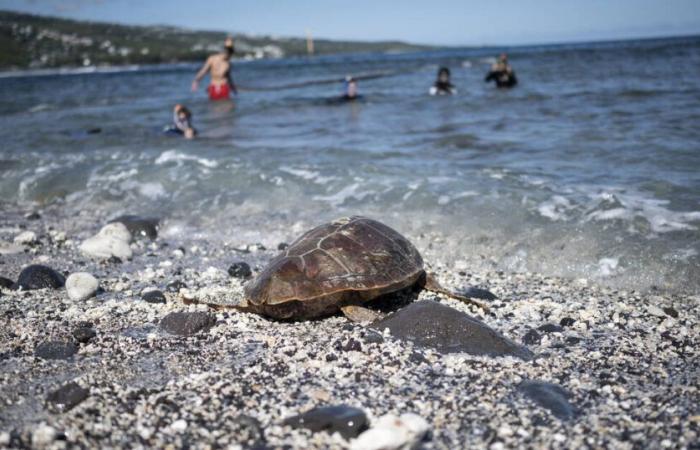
(30,41)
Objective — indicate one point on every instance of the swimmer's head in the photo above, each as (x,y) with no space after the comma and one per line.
(503,58)
(444,75)
(350,87)
(182,111)
(228,46)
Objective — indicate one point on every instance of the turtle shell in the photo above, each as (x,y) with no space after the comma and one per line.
(347,261)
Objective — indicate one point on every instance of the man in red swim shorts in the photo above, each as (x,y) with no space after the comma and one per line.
(219,68)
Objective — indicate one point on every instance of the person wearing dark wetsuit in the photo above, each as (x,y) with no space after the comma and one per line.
(502,73)
(442,85)
(182,122)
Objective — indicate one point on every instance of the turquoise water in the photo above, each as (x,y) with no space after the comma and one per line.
(589,168)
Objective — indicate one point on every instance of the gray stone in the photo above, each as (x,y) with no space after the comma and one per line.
(139,226)
(153,296)
(187,323)
(549,396)
(81,286)
(447,330)
(56,350)
(66,397)
(346,420)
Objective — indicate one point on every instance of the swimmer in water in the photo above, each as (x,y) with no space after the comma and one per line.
(502,73)
(182,122)
(442,85)
(219,68)
(350,89)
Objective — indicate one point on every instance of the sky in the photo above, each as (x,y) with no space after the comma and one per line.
(437,22)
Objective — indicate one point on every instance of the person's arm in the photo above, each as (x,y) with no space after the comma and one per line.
(203,71)
(490,76)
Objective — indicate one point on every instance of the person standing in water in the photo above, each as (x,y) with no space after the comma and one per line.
(502,73)
(219,68)
(350,89)
(442,85)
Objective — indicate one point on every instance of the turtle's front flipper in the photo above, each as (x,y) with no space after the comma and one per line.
(432,285)
(360,314)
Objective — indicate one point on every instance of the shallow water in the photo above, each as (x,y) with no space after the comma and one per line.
(589,168)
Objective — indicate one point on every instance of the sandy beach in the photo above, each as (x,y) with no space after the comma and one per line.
(620,367)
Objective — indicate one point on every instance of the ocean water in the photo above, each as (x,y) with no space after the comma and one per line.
(590,168)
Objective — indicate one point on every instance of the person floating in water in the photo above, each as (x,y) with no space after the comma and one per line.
(442,85)
(182,122)
(350,89)
(502,73)
(219,68)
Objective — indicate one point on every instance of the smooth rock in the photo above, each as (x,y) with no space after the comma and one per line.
(55,350)
(81,286)
(483,294)
(550,328)
(240,270)
(112,240)
(33,216)
(66,397)
(43,435)
(39,277)
(175,286)
(346,420)
(671,312)
(187,323)
(25,238)
(139,226)
(567,322)
(393,433)
(6,283)
(10,249)
(154,296)
(532,337)
(549,396)
(84,334)
(430,324)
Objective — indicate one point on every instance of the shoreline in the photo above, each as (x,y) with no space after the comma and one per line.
(627,359)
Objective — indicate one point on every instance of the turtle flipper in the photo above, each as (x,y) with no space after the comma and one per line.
(433,285)
(360,314)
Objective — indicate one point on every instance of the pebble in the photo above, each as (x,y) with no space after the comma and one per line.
(66,397)
(549,396)
(139,226)
(430,324)
(393,433)
(39,277)
(175,286)
(81,286)
(33,216)
(671,312)
(6,283)
(56,350)
(346,420)
(10,249)
(84,334)
(25,238)
(240,270)
(111,241)
(483,294)
(567,322)
(43,435)
(154,296)
(550,328)
(532,337)
(187,323)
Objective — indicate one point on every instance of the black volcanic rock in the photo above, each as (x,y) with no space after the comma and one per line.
(187,323)
(346,420)
(39,277)
(549,396)
(139,226)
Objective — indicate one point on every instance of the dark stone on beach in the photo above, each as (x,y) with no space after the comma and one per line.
(550,328)
(84,334)
(483,294)
(187,323)
(282,246)
(139,226)
(114,260)
(175,286)
(66,397)
(573,340)
(33,216)
(671,312)
(346,420)
(532,337)
(39,277)
(430,324)
(567,322)
(56,350)
(153,297)
(6,283)
(240,270)
(549,396)
(96,130)
(372,337)
(352,345)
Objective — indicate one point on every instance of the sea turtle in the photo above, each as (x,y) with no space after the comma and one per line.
(339,266)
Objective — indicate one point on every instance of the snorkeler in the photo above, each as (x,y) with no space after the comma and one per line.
(182,122)
(442,85)
(502,73)
(219,67)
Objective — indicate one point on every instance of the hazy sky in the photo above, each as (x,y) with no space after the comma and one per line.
(447,22)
